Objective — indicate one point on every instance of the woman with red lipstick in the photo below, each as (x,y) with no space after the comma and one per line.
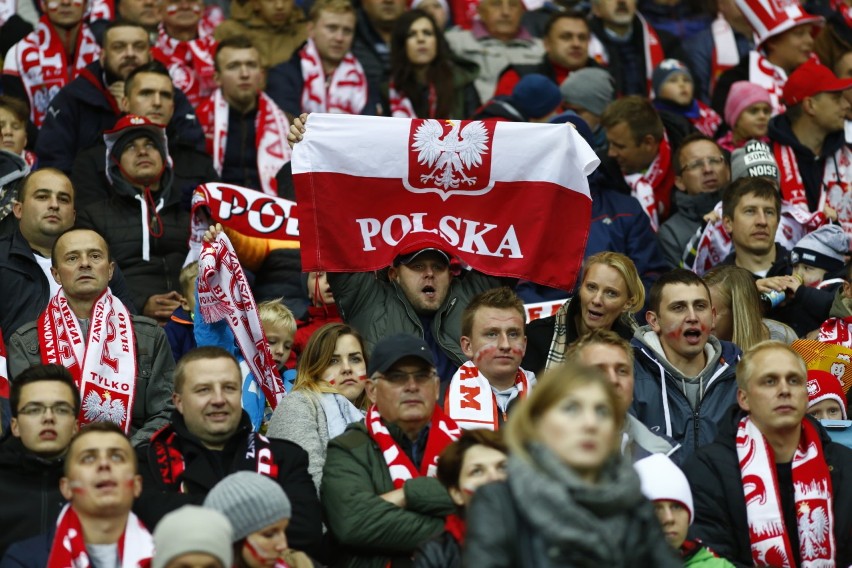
(427,80)
(328,394)
(608,296)
(569,498)
(477,458)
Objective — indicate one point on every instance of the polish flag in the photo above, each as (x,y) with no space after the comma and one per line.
(508,199)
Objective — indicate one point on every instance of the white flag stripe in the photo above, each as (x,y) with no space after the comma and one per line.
(371,148)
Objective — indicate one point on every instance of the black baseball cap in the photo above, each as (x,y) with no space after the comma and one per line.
(391,349)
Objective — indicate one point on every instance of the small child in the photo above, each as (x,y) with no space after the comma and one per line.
(665,485)
(674,92)
(818,253)
(826,400)
(322,310)
(279,326)
(747,113)
(180,328)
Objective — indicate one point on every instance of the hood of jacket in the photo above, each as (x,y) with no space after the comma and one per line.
(12,167)
(123,187)
(841,307)
(781,131)
(695,207)
(718,352)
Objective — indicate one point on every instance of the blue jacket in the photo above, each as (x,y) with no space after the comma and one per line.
(81,111)
(660,404)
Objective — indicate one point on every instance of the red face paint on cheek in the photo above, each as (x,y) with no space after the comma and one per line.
(362,378)
(488,351)
(517,352)
(332,382)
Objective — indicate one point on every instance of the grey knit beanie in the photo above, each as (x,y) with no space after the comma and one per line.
(250,501)
(193,529)
(754,159)
(591,88)
(823,248)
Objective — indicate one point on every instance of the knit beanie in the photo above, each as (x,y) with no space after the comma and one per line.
(192,529)
(822,385)
(742,95)
(754,159)
(591,88)
(536,96)
(662,480)
(666,69)
(249,500)
(823,248)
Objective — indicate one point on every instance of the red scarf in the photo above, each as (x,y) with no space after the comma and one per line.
(443,432)
(190,63)
(345,92)
(103,364)
(457,527)
(41,62)
(135,546)
(653,188)
(708,120)
(471,402)
(271,128)
(725,53)
(837,331)
(770,545)
(401,106)
(654,54)
(223,292)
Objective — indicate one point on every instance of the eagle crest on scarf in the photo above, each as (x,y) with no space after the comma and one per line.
(107,409)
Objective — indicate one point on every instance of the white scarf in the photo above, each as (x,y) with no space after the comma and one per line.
(339,413)
(103,365)
(770,77)
(471,402)
(346,92)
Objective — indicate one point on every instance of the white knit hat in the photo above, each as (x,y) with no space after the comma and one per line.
(662,480)
(192,529)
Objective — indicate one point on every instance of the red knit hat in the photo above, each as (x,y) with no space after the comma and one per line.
(823,385)
(774,17)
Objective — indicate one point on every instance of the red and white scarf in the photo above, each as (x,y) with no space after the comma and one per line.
(271,128)
(844,9)
(769,76)
(344,93)
(653,188)
(708,120)
(654,54)
(725,53)
(190,63)
(103,364)
(835,189)
(223,292)
(41,62)
(135,546)
(471,402)
(401,106)
(770,545)
(837,331)
(443,432)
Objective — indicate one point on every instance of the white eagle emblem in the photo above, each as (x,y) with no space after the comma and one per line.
(448,157)
(97,409)
(813,530)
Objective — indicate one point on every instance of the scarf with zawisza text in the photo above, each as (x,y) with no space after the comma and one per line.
(135,546)
(271,128)
(770,545)
(653,187)
(442,432)
(103,364)
(346,90)
(470,401)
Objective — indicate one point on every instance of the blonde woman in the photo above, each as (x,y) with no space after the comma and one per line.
(569,499)
(328,394)
(737,304)
(609,294)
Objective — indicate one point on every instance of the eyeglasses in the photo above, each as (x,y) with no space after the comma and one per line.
(62,409)
(399,378)
(713,161)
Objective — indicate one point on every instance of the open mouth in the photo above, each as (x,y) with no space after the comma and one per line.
(106,484)
(429,291)
(47,435)
(692,336)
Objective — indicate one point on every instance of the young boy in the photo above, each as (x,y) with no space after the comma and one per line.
(826,400)
(818,253)
(180,329)
(665,485)
(279,326)
(674,92)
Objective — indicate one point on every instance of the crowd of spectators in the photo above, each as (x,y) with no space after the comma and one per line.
(684,404)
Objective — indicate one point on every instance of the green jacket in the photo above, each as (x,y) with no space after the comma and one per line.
(703,558)
(378,308)
(370,531)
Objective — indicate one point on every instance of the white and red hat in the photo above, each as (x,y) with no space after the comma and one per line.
(769,18)
(662,480)
(822,385)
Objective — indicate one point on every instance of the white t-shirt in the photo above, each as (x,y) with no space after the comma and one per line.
(44,263)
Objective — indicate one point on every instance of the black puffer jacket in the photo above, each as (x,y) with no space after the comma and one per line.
(29,491)
(717,488)
(119,219)
(443,551)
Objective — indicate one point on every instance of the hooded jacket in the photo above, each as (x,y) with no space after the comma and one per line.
(659,401)
(674,235)
(29,491)
(119,219)
(12,169)
(721,521)
(811,167)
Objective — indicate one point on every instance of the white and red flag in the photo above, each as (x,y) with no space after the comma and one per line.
(508,199)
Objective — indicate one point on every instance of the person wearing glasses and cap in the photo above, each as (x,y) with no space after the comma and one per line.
(379,491)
